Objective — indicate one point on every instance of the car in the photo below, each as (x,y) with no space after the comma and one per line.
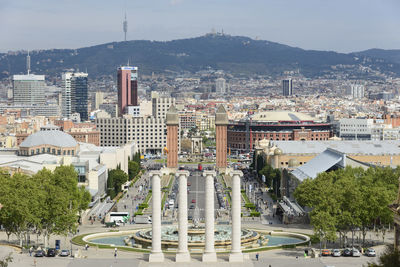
(51,252)
(346,252)
(39,253)
(193,200)
(370,252)
(64,253)
(191,206)
(355,253)
(326,252)
(190,217)
(336,253)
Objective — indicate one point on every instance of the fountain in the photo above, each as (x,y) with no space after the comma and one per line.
(250,238)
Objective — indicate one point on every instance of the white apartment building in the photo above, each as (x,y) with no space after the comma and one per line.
(384,132)
(220,86)
(161,105)
(357,91)
(355,128)
(66,94)
(148,132)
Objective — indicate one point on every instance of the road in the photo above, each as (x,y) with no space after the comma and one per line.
(197,193)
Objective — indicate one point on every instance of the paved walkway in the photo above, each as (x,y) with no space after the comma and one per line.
(105,258)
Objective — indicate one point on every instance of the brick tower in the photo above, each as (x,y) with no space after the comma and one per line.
(172,137)
(221,123)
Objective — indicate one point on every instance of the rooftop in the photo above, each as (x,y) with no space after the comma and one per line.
(281,116)
(347,147)
(54,138)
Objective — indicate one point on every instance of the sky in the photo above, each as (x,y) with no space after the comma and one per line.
(336,25)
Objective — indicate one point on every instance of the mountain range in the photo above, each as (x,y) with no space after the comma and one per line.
(235,54)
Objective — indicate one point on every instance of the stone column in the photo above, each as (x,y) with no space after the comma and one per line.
(221,123)
(183,253)
(156,254)
(172,121)
(209,250)
(236,251)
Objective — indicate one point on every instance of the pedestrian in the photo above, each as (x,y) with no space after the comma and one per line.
(115,253)
(257,255)
(30,251)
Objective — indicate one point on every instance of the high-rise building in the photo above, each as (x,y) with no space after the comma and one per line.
(127,89)
(287,87)
(220,86)
(75,94)
(357,91)
(28,90)
(98,99)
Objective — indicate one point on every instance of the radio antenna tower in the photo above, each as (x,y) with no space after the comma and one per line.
(125,26)
(28,63)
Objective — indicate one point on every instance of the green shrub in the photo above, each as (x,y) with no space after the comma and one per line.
(255,214)
(138,213)
(250,205)
(143,206)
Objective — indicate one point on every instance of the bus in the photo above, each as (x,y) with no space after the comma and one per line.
(119,217)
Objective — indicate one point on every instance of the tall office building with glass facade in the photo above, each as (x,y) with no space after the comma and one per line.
(287,87)
(29,90)
(75,94)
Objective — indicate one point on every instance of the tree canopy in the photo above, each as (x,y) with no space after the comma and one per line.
(347,199)
(116,178)
(49,202)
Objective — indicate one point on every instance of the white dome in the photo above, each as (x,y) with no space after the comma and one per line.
(53,138)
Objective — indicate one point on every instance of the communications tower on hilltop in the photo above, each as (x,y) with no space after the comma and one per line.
(125,27)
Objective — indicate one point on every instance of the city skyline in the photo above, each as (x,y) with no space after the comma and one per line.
(338,26)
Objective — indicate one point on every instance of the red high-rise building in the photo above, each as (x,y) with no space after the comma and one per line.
(127,88)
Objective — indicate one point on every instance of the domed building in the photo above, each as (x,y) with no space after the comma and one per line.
(53,142)
(276,126)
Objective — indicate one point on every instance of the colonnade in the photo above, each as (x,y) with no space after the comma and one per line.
(209,254)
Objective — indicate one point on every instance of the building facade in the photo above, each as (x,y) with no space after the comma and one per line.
(75,94)
(280,125)
(220,86)
(355,128)
(29,89)
(127,82)
(357,91)
(148,132)
(287,87)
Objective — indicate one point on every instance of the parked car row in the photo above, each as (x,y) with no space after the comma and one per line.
(348,252)
(51,252)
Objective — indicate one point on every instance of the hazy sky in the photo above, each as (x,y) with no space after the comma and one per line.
(339,25)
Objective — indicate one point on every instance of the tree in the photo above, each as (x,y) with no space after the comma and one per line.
(137,158)
(62,200)
(186,145)
(47,201)
(272,176)
(133,169)
(118,178)
(18,213)
(353,197)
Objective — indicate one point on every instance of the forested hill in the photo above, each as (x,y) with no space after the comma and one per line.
(230,53)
